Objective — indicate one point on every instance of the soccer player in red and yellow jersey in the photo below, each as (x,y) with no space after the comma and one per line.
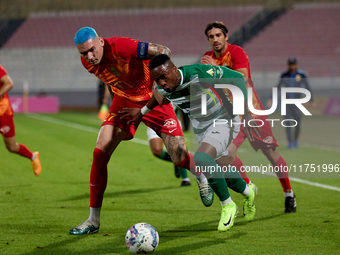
(235,58)
(122,63)
(7,128)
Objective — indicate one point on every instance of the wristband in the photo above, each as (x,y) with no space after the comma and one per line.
(145,110)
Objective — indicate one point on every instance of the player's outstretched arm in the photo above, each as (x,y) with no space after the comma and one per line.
(7,84)
(156,49)
(158,96)
(137,113)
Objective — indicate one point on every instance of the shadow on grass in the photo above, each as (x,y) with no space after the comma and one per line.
(120,193)
(114,244)
(259,219)
(60,247)
(190,231)
(15,186)
(205,242)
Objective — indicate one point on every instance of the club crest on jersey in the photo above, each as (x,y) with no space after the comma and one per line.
(298,77)
(170,123)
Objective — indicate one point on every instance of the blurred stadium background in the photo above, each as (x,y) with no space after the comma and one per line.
(36,41)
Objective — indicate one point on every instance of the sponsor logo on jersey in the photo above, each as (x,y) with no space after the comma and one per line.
(211,72)
(268,139)
(5,129)
(170,123)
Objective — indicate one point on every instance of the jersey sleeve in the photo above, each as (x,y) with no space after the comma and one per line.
(2,71)
(240,58)
(127,48)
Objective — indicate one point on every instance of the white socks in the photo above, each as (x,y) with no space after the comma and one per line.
(246,191)
(289,194)
(202,178)
(94,216)
(227,201)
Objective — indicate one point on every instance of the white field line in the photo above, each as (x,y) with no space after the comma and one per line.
(76,126)
(144,142)
(315,184)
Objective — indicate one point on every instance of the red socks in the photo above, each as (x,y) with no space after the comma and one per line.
(98,177)
(238,164)
(189,164)
(282,175)
(24,151)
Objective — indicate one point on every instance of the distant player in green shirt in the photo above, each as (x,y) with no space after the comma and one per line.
(183,87)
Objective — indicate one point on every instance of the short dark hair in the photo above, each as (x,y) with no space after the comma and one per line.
(216,24)
(158,60)
(292,61)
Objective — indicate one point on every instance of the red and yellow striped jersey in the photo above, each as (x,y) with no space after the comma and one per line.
(128,76)
(235,58)
(5,105)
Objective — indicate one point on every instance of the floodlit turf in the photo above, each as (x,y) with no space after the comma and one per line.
(37,212)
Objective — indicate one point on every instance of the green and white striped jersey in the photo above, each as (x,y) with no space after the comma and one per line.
(199,79)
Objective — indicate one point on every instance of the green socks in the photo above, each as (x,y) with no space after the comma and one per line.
(216,179)
(182,171)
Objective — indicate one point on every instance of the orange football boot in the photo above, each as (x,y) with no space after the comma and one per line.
(36,164)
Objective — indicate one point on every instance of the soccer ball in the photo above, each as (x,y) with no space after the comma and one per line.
(142,238)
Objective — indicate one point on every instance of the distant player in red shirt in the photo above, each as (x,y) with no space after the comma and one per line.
(7,128)
(234,57)
(122,63)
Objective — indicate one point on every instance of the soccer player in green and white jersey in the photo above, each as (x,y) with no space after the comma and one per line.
(182,87)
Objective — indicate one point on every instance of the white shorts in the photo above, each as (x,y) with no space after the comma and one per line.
(151,134)
(220,136)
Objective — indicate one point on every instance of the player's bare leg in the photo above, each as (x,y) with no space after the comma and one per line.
(235,161)
(156,146)
(179,154)
(109,138)
(279,163)
(22,150)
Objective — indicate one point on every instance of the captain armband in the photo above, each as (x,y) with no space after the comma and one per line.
(142,50)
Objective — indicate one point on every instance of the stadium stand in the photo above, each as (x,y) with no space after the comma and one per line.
(41,50)
(180,29)
(308,32)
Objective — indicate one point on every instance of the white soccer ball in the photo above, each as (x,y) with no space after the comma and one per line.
(142,238)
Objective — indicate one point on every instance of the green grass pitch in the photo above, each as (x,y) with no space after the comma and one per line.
(37,212)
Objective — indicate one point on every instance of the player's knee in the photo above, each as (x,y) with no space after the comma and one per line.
(272,154)
(157,151)
(12,148)
(156,148)
(231,158)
